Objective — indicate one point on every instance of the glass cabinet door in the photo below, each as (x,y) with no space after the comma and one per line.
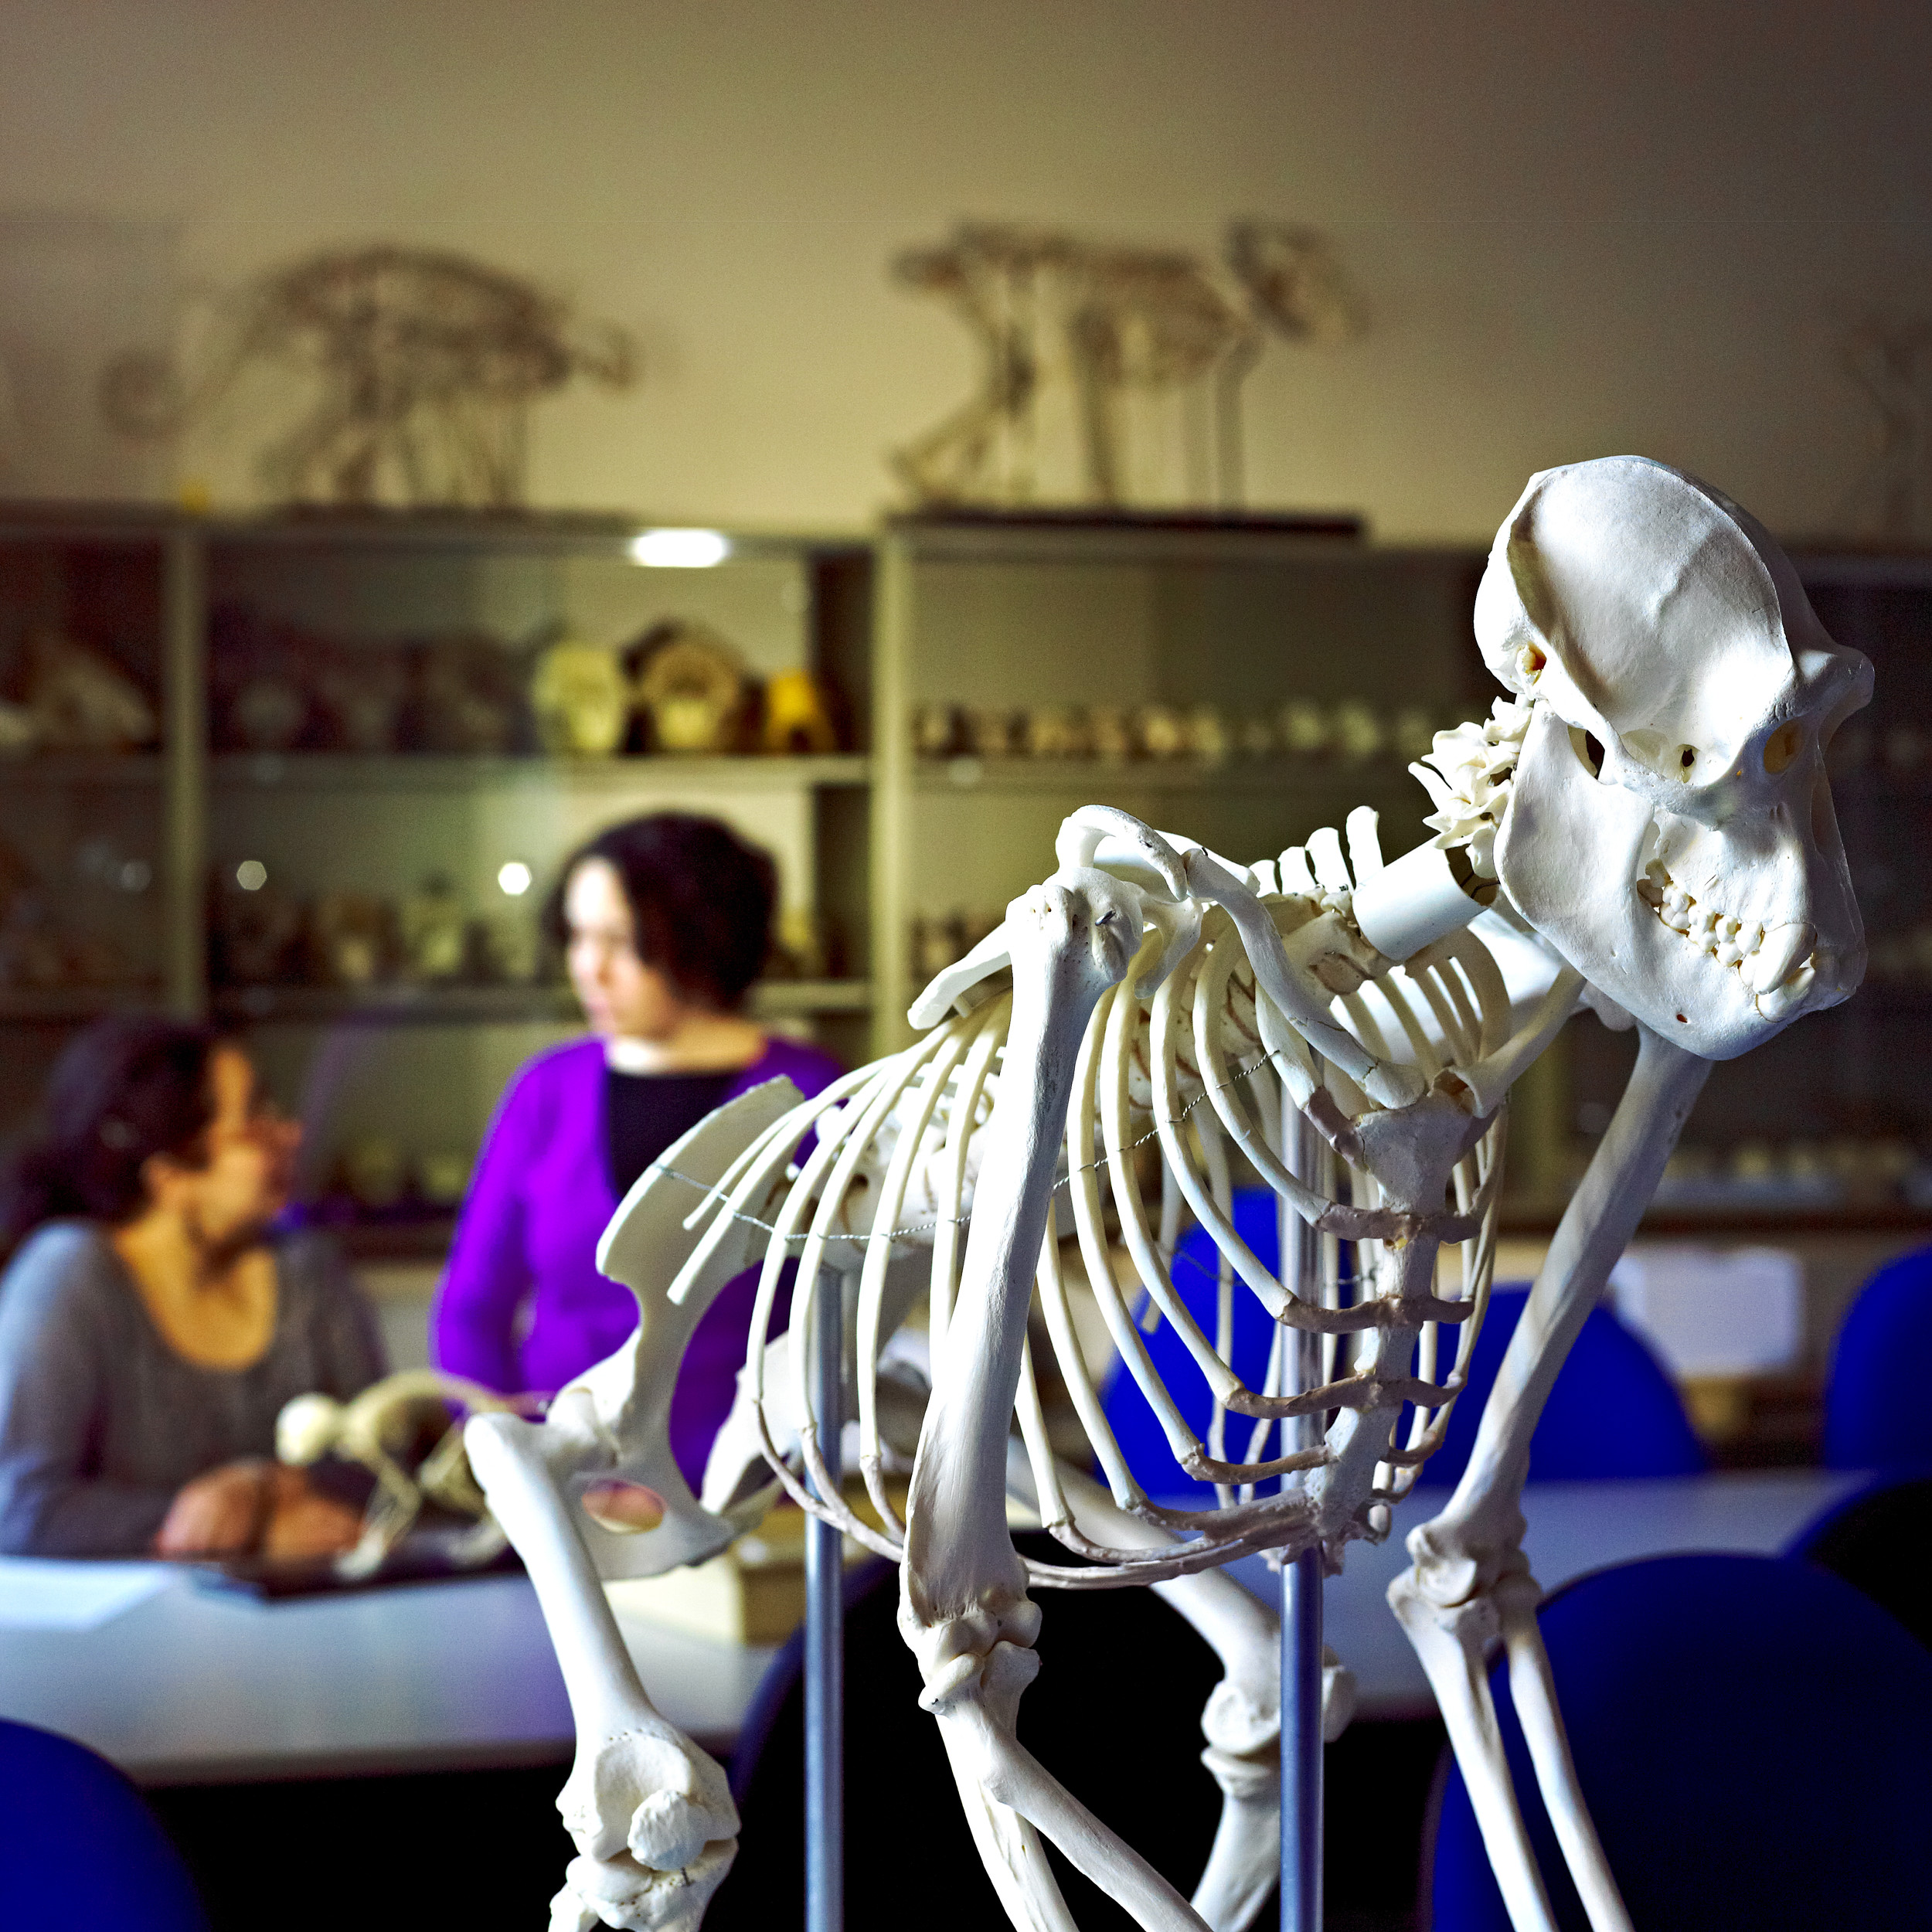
(82,923)
(1828,1124)
(411,728)
(1243,686)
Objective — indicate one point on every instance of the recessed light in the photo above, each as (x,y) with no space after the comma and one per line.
(680,549)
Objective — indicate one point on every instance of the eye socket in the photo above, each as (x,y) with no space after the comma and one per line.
(1589,752)
(1783,746)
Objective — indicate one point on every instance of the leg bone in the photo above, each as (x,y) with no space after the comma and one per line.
(651,1813)
(964,1608)
(1469,1584)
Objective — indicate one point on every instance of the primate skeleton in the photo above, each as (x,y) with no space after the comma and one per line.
(1644,825)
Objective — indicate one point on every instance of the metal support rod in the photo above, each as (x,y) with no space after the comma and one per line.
(1302,1766)
(825,1637)
(184,836)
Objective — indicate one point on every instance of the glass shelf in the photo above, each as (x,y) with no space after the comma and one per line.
(51,770)
(1260,775)
(118,885)
(396,1004)
(344,771)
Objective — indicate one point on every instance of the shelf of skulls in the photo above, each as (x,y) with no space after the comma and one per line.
(1162,746)
(349,771)
(1267,775)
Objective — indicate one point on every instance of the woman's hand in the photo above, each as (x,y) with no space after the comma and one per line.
(302,1522)
(220,1514)
(244,1507)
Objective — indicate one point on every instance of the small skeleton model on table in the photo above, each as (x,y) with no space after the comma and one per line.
(424,365)
(1069,326)
(1643,826)
(377,1430)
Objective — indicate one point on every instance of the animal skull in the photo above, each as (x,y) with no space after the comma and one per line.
(1670,828)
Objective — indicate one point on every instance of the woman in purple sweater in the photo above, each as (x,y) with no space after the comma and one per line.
(664,922)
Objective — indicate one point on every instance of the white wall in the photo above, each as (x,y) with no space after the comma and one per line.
(1582,229)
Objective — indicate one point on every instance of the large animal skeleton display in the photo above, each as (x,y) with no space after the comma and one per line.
(1067,324)
(1643,826)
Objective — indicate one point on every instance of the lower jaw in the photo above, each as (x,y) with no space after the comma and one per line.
(1765,1003)
(1724,1020)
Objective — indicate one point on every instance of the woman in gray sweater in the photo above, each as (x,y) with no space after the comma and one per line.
(151,1326)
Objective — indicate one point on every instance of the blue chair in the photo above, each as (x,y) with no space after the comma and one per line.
(1749,1734)
(1871,1398)
(1876,1540)
(1613,1413)
(79,1848)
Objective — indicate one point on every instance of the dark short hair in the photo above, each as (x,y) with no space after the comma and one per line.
(701,900)
(126,1088)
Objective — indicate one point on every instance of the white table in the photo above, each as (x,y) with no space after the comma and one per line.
(195,1686)
(191,1686)
(1574,1527)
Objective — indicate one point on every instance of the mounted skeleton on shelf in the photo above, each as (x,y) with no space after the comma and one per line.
(1644,826)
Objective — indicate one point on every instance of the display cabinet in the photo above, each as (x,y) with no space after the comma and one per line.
(87,809)
(1246,682)
(288,771)
(1243,681)
(324,808)
(1829,1126)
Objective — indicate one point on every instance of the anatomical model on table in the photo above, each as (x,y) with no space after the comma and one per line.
(1643,826)
(377,1429)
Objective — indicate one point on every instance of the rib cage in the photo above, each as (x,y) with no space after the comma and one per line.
(892,1172)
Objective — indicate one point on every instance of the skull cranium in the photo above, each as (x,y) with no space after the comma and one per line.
(1670,827)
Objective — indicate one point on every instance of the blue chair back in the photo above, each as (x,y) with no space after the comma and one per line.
(1871,1398)
(1614,1413)
(1876,1539)
(79,1848)
(1749,1734)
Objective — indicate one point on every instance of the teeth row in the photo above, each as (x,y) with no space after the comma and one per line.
(1777,963)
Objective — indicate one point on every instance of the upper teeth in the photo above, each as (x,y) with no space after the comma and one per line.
(1783,947)
(1776,962)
